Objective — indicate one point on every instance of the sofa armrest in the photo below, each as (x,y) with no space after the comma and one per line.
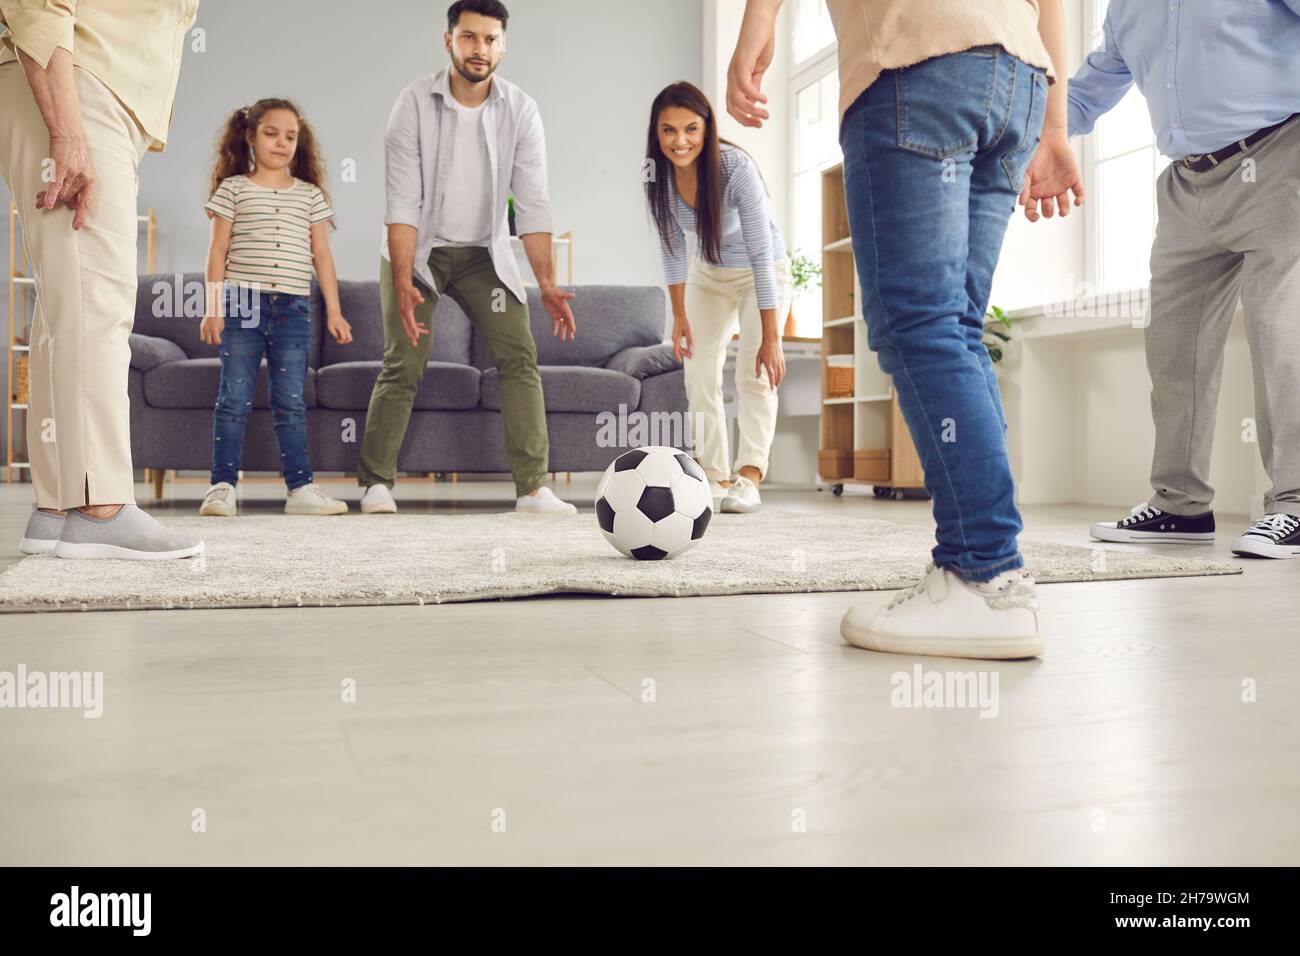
(149,351)
(643,361)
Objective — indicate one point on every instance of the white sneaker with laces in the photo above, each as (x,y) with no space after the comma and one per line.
(717,493)
(943,616)
(378,500)
(1272,536)
(220,501)
(310,500)
(742,497)
(544,502)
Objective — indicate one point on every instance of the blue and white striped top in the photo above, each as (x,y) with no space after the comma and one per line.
(749,236)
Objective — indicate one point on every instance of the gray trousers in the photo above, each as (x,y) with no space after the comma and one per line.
(1228,233)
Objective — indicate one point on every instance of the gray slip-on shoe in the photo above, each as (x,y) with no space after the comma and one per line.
(43,530)
(130,534)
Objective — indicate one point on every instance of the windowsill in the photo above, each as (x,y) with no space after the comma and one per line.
(1105,312)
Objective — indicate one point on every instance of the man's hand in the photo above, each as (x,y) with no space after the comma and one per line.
(408,297)
(750,61)
(1052,176)
(556,301)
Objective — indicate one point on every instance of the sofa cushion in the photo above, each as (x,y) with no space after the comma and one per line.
(170,306)
(148,351)
(608,319)
(360,304)
(446,386)
(642,361)
(193,383)
(573,388)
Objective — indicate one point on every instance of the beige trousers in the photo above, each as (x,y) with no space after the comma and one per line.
(719,299)
(79,414)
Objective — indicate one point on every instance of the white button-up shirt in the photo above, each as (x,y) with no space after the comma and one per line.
(417,153)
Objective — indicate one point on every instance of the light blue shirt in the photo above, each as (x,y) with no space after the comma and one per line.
(1212,71)
(748,235)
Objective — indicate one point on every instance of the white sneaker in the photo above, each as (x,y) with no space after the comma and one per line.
(717,493)
(742,497)
(943,616)
(310,500)
(378,500)
(544,502)
(220,501)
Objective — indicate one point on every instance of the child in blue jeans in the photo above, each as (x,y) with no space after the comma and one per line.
(269,229)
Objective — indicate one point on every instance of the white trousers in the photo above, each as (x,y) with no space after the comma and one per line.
(79,414)
(718,299)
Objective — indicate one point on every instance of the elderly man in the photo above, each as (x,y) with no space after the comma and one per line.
(1222,82)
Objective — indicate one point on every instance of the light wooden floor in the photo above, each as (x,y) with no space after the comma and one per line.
(1128,744)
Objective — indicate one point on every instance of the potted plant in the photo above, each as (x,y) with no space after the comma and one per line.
(806,273)
(997,332)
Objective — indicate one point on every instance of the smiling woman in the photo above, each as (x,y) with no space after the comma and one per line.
(740,277)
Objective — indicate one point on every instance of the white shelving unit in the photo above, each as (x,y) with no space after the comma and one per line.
(863,437)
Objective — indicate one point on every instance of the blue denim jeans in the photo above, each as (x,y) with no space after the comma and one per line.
(279,327)
(934,156)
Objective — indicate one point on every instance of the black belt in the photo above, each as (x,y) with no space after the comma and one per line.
(1199,164)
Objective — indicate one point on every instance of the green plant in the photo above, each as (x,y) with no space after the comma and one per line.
(806,272)
(997,331)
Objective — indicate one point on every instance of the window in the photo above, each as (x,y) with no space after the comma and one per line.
(1124,167)
(815,91)
(813,31)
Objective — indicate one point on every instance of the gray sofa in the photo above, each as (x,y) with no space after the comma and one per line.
(616,359)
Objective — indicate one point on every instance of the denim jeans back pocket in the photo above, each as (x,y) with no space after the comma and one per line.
(944,103)
(1016,162)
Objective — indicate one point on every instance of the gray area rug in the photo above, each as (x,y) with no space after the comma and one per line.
(289,561)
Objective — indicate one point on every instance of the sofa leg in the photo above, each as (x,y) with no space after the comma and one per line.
(568,477)
(455,477)
(159,477)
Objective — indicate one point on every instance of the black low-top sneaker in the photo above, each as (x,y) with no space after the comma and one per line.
(1272,536)
(1146,522)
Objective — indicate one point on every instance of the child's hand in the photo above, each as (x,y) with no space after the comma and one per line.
(340,329)
(210,329)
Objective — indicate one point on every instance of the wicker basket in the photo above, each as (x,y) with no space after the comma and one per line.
(839,381)
(20,381)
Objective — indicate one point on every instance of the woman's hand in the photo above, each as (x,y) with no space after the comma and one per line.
(339,328)
(1052,176)
(683,346)
(772,358)
(211,328)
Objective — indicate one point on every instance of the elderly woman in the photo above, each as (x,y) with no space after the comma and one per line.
(88,90)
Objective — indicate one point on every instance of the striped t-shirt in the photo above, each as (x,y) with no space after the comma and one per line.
(749,236)
(270,241)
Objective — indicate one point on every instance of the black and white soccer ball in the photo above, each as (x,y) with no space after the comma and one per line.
(653,503)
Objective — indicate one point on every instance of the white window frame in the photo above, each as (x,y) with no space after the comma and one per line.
(803,73)
(1094,18)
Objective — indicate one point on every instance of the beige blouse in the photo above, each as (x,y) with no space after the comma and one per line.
(133,47)
(878,35)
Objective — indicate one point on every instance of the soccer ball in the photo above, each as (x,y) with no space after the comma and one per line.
(653,503)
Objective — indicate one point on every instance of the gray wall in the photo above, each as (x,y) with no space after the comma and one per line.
(592,65)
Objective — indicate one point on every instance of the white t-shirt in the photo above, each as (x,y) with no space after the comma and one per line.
(465,217)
